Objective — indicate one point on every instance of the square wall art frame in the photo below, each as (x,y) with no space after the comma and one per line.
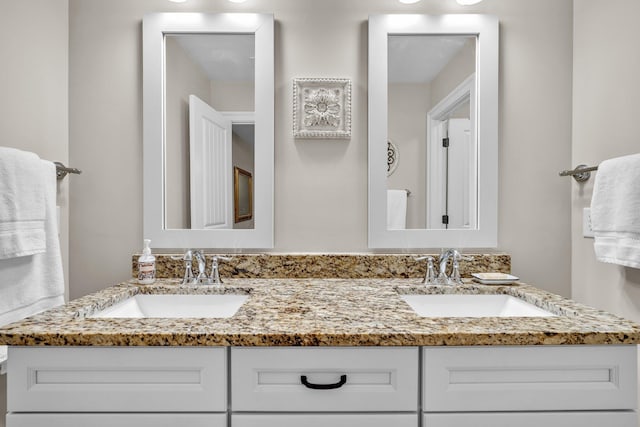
(322,108)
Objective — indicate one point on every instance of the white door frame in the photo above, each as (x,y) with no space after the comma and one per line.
(435,164)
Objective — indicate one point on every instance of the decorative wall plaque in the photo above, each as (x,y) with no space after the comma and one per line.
(322,108)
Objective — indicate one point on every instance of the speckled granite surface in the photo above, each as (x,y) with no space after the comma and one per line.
(309,266)
(320,312)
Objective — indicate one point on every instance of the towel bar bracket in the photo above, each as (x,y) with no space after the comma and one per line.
(62,170)
(580,173)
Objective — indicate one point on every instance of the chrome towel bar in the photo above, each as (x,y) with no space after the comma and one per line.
(62,170)
(580,173)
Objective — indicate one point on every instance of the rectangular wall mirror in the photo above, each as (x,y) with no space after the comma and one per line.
(208,109)
(433,121)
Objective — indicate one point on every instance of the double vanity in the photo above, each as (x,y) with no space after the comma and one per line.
(288,341)
(321,351)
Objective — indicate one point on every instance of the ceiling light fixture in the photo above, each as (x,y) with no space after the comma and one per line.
(237,1)
(408,1)
(468,2)
(178,1)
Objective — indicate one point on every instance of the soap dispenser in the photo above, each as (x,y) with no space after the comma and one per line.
(146,265)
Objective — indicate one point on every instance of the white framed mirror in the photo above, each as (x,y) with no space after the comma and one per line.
(208,108)
(433,91)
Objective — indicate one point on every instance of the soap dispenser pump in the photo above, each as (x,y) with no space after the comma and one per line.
(146,265)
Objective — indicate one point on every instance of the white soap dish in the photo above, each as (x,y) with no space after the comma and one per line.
(494,278)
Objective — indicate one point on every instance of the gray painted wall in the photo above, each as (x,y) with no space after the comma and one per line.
(320,186)
(605,115)
(34,113)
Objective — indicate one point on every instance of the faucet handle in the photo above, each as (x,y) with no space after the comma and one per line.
(214,279)
(187,258)
(455,278)
(430,274)
(461,257)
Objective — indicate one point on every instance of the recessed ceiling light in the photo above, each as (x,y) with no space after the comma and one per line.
(237,1)
(468,2)
(177,1)
(408,1)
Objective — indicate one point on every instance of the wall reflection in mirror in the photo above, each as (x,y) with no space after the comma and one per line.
(431,121)
(209,128)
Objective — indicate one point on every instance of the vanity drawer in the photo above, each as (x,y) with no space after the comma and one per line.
(324,420)
(116,379)
(538,378)
(120,420)
(533,419)
(363,379)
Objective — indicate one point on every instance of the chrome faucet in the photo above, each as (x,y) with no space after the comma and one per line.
(201,259)
(202,266)
(214,278)
(443,279)
(454,278)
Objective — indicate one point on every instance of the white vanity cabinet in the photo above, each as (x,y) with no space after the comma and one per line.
(321,386)
(124,386)
(492,386)
(554,386)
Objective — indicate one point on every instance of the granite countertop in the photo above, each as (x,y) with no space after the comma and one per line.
(320,312)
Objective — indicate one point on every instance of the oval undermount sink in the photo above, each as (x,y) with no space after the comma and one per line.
(472,305)
(175,306)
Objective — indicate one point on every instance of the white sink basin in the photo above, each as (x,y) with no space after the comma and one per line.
(175,306)
(459,305)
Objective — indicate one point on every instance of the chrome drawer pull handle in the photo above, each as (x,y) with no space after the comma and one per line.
(343,381)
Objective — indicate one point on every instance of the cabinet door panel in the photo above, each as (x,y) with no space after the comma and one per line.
(364,379)
(110,379)
(324,420)
(533,419)
(542,378)
(120,420)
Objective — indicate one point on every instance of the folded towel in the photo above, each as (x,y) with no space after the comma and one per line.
(615,211)
(22,204)
(396,209)
(30,284)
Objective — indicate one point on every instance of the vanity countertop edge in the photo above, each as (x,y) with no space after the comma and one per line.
(320,312)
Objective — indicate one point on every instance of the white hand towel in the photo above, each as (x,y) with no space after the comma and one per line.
(30,284)
(615,211)
(396,209)
(22,204)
